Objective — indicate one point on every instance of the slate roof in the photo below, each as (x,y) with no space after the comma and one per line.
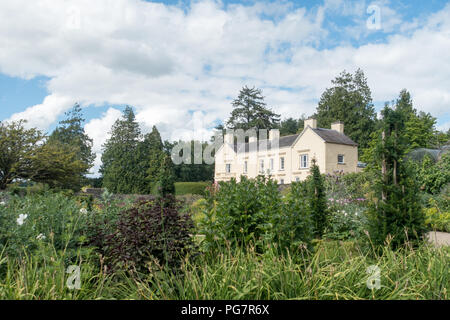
(330,136)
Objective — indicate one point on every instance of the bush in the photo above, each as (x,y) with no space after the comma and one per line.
(253,211)
(145,234)
(27,222)
(434,176)
(182,188)
(346,221)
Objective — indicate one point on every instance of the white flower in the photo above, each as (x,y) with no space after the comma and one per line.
(21,219)
(41,236)
(3,203)
(83,211)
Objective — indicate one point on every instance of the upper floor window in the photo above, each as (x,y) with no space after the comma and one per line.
(340,158)
(282,163)
(304,161)
(228,168)
(261,166)
(245,167)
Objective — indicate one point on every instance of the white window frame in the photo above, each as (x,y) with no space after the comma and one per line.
(343,159)
(228,168)
(282,163)
(302,162)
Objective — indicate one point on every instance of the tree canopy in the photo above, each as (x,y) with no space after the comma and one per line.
(250,111)
(349,100)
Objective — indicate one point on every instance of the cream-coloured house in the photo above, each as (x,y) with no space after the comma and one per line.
(290,160)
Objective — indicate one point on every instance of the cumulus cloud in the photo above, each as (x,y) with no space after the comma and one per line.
(182,66)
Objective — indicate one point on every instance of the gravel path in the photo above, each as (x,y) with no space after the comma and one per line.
(439,238)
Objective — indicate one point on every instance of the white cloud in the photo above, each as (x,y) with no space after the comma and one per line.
(176,65)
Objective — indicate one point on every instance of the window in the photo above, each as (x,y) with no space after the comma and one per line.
(261,166)
(341,159)
(303,161)
(281,181)
(297,179)
(282,163)
(228,167)
(245,167)
(271,164)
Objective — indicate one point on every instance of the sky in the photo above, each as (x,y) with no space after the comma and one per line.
(181,63)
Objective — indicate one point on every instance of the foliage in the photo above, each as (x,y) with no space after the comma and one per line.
(291,126)
(191,187)
(419,126)
(71,134)
(251,112)
(153,157)
(252,211)
(396,211)
(119,161)
(57,165)
(317,200)
(27,154)
(27,222)
(433,176)
(17,147)
(146,236)
(165,185)
(349,100)
(437,213)
(192,172)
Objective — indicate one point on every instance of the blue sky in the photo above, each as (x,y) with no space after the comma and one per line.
(180,63)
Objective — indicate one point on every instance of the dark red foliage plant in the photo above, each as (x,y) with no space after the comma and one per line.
(148,235)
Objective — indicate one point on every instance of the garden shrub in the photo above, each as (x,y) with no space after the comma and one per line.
(317,200)
(347,221)
(27,222)
(149,232)
(433,176)
(253,211)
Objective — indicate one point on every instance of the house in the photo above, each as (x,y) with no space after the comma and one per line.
(288,159)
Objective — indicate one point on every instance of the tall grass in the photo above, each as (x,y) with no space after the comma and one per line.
(335,271)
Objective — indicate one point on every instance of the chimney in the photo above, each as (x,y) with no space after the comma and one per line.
(311,122)
(338,126)
(229,137)
(274,134)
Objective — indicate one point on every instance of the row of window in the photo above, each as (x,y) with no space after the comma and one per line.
(304,163)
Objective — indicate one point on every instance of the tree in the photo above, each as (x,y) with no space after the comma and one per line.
(419,126)
(194,172)
(396,211)
(57,165)
(119,161)
(165,185)
(291,126)
(349,100)
(250,111)
(17,147)
(155,158)
(27,154)
(70,133)
(317,200)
